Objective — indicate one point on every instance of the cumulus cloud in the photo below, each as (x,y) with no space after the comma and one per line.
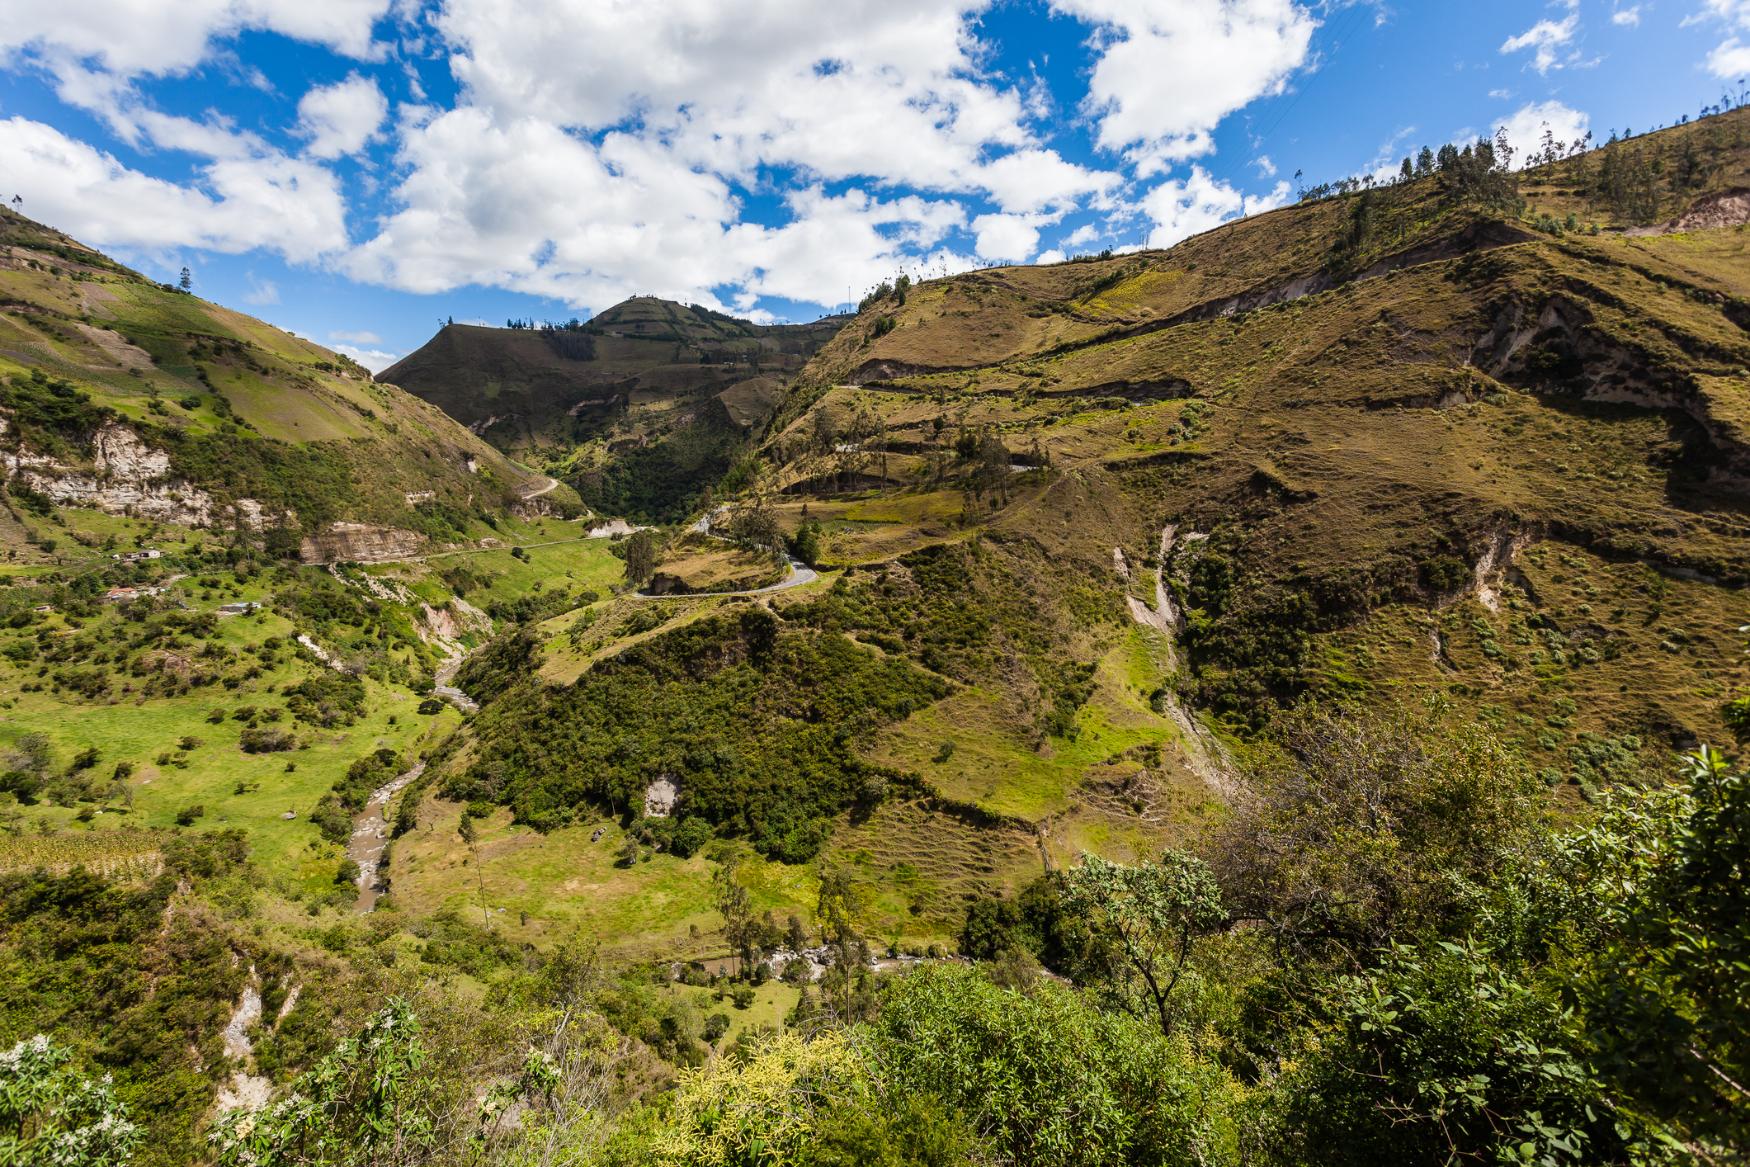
(374,359)
(578,170)
(134,37)
(1730,59)
(1526,128)
(275,203)
(1183,207)
(1168,71)
(340,119)
(1546,39)
(361,336)
(1629,17)
(1004,238)
(887,90)
(529,207)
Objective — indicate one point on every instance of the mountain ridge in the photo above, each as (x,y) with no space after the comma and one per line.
(678,389)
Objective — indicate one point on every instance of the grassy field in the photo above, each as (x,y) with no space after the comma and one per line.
(541,888)
(234,789)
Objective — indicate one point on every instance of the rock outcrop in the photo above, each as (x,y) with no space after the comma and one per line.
(127,477)
(360,543)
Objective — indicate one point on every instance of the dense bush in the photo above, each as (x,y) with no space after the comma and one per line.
(328,699)
(1048,1078)
(756,725)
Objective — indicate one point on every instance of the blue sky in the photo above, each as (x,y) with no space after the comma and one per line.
(360,170)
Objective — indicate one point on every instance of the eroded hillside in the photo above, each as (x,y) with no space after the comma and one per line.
(138,399)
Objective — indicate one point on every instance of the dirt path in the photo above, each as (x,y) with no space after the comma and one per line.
(552,484)
(1204,754)
(370,839)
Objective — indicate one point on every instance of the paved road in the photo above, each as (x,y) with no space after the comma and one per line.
(800,573)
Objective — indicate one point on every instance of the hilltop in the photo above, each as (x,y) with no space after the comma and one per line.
(639,407)
(139,399)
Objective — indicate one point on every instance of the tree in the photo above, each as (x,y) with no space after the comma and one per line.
(805,544)
(51,1115)
(740,928)
(755,526)
(186,280)
(1670,994)
(641,552)
(1144,921)
(1372,828)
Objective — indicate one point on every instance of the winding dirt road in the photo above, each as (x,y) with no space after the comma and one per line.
(800,573)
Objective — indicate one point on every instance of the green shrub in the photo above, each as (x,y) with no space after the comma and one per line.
(1051,1081)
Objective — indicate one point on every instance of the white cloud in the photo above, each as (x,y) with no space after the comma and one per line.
(374,359)
(1006,238)
(886,90)
(261,292)
(362,336)
(852,240)
(529,207)
(275,203)
(1731,12)
(580,170)
(1526,128)
(1086,233)
(1546,38)
(1033,180)
(1168,71)
(1264,166)
(1730,60)
(342,118)
(1181,208)
(161,37)
(1629,17)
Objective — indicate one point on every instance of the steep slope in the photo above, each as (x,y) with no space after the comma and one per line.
(1474,437)
(640,407)
(1358,413)
(136,398)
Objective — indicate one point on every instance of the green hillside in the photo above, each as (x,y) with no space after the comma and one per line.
(1277,700)
(640,408)
(136,398)
(1471,437)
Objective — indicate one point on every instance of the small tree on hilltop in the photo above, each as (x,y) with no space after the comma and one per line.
(186,280)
